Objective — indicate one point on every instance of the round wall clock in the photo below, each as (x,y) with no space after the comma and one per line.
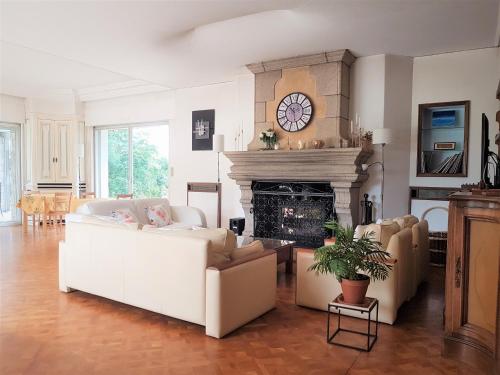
(294,112)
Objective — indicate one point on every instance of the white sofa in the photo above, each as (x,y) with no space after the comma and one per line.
(167,274)
(180,214)
(405,238)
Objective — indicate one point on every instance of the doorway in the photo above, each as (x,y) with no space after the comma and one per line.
(10,173)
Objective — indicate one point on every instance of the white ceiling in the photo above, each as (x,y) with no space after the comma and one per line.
(49,46)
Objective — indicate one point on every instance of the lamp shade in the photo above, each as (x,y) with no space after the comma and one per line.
(218,142)
(382,136)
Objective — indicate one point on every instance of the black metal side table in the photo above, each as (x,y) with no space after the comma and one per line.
(366,307)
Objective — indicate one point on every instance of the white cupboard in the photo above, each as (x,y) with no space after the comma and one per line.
(54,151)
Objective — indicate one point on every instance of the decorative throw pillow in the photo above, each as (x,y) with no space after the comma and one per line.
(383,232)
(158,215)
(124,215)
(255,247)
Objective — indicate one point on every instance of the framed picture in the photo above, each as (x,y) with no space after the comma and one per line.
(443,118)
(444,145)
(203,126)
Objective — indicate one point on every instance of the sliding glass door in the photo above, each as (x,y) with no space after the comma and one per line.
(10,172)
(132,159)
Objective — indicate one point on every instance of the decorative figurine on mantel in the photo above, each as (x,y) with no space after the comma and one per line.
(356,132)
(317,143)
(269,137)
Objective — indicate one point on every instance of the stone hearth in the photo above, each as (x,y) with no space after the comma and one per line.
(341,167)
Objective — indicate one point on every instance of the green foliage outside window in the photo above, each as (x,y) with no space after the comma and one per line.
(150,169)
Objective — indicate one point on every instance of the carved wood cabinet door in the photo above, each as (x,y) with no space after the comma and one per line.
(472,277)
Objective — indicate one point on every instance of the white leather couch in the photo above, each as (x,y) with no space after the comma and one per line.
(316,290)
(189,216)
(167,274)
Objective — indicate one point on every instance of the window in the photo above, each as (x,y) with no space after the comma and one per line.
(10,172)
(132,159)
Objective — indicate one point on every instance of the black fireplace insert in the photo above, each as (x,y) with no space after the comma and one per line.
(293,211)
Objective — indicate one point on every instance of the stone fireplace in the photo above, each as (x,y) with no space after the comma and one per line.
(330,175)
(338,167)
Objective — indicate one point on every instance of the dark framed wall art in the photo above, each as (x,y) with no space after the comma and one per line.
(203,126)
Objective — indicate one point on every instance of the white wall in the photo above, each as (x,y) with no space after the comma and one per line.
(63,105)
(468,75)
(397,116)
(233,104)
(158,106)
(367,100)
(381,96)
(12,109)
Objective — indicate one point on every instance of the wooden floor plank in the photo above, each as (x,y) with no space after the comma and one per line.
(44,331)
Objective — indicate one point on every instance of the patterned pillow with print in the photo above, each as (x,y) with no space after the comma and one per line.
(124,215)
(159,216)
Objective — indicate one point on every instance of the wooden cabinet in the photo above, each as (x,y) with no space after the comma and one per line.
(472,320)
(54,151)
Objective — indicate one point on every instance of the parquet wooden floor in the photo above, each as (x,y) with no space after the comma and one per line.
(43,331)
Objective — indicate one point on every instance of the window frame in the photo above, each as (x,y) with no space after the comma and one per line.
(129,127)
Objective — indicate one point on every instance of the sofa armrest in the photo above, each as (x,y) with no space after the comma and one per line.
(240,291)
(189,215)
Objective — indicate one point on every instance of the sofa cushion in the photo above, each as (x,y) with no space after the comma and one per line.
(124,215)
(105,207)
(137,206)
(171,227)
(101,220)
(141,206)
(159,215)
(382,232)
(406,221)
(255,247)
(221,245)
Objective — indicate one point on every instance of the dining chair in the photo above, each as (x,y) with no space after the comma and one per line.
(36,217)
(62,204)
(125,196)
(87,195)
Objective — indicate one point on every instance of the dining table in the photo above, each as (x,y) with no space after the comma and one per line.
(43,204)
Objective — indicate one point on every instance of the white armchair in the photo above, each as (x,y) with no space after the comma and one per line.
(316,290)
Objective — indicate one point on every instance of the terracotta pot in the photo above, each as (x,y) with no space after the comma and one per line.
(354,291)
(330,241)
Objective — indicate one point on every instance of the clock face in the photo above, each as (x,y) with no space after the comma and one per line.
(294,112)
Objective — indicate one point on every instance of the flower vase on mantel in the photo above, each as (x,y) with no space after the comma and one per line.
(269,138)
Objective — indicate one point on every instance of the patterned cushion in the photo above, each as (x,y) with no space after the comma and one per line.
(124,215)
(158,215)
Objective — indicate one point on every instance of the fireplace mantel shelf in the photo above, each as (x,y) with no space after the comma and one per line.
(328,164)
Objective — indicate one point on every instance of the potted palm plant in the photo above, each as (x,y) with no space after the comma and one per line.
(353,261)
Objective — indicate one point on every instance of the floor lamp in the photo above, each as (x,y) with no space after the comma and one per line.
(381,136)
(218,147)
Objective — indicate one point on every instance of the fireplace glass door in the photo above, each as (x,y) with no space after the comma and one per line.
(293,211)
